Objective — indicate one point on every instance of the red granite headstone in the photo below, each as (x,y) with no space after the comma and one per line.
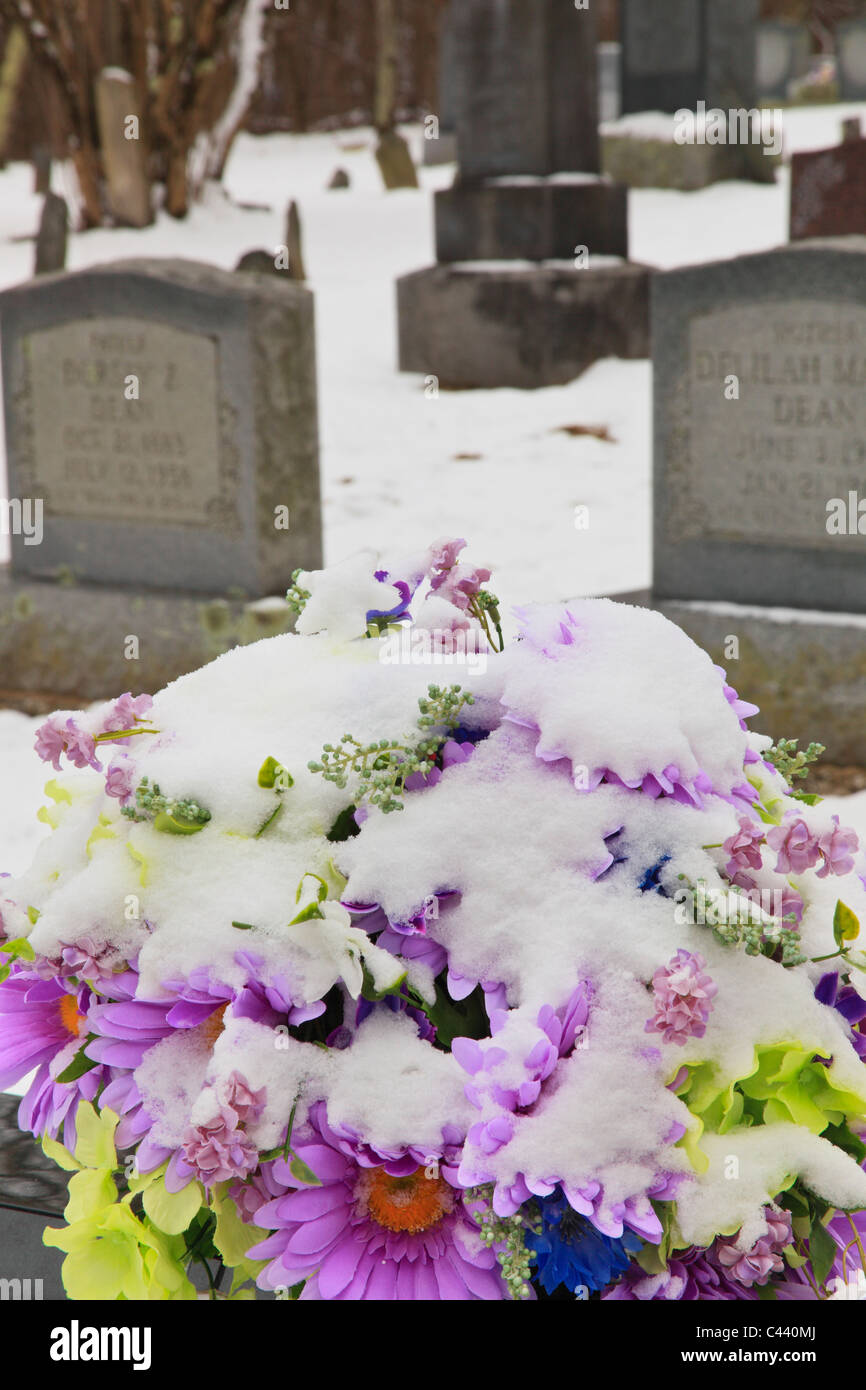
(828,192)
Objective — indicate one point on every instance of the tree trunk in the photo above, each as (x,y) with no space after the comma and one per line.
(11,72)
(177,187)
(387,58)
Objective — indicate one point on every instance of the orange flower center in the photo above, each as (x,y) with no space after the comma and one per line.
(70,1016)
(414,1203)
(213,1026)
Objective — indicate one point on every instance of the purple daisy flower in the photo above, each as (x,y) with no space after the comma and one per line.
(43,1024)
(366,1234)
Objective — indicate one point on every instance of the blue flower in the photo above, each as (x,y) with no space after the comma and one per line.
(570,1251)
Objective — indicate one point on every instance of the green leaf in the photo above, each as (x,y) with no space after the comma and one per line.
(79,1066)
(19,948)
(299,1170)
(841,1136)
(453,1018)
(810,798)
(34,914)
(345,827)
(95,1147)
(173,825)
(308,914)
(243,926)
(275,813)
(172,1212)
(321,891)
(846,926)
(374,995)
(273,774)
(822,1251)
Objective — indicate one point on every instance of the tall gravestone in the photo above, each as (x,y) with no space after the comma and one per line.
(828,191)
(162,417)
(527,190)
(676,53)
(783,55)
(851,60)
(760,470)
(442,148)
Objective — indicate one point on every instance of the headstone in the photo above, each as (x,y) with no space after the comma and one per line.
(527,190)
(119,116)
(742,484)
(760,421)
(441,148)
(52,235)
(676,53)
(609,59)
(294,242)
(784,53)
(339,179)
(851,60)
(852,128)
(260,262)
(163,410)
(828,192)
(161,424)
(33,1195)
(395,161)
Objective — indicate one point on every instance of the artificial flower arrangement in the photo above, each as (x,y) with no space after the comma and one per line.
(393,960)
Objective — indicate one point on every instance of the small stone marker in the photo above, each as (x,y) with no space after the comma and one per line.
(828,191)
(119,119)
(851,60)
(760,445)
(259,261)
(339,179)
(395,161)
(852,128)
(294,242)
(52,235)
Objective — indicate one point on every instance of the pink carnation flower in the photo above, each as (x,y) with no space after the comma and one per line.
(682,994)
(796,846)
(837,847)
(743,846)
(754,1266)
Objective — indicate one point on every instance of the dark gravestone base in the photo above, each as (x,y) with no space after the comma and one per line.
(536,220)
(70,639)
(32,1196)
(475,328)
(806,672)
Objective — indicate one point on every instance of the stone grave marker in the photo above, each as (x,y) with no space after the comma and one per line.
(784,52)
(128,185)
(828,191)
(760,470)
(851,60)
(676,53)
(443,149)
(527,190)
(162,415)
(52,235)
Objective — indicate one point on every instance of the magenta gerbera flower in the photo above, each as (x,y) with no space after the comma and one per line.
(365,1233)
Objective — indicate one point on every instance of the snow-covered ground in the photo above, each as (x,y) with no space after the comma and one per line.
(492,465)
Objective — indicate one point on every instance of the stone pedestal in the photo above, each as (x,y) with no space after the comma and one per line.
(473,327)
(70,641)
(806,670)
(531,219)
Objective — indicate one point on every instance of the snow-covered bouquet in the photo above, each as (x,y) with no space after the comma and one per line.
(392,959)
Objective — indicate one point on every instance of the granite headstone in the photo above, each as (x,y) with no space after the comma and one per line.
(163,411)
(851,60)
(760,421)
(784,51)
(828,191)
(676,53)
